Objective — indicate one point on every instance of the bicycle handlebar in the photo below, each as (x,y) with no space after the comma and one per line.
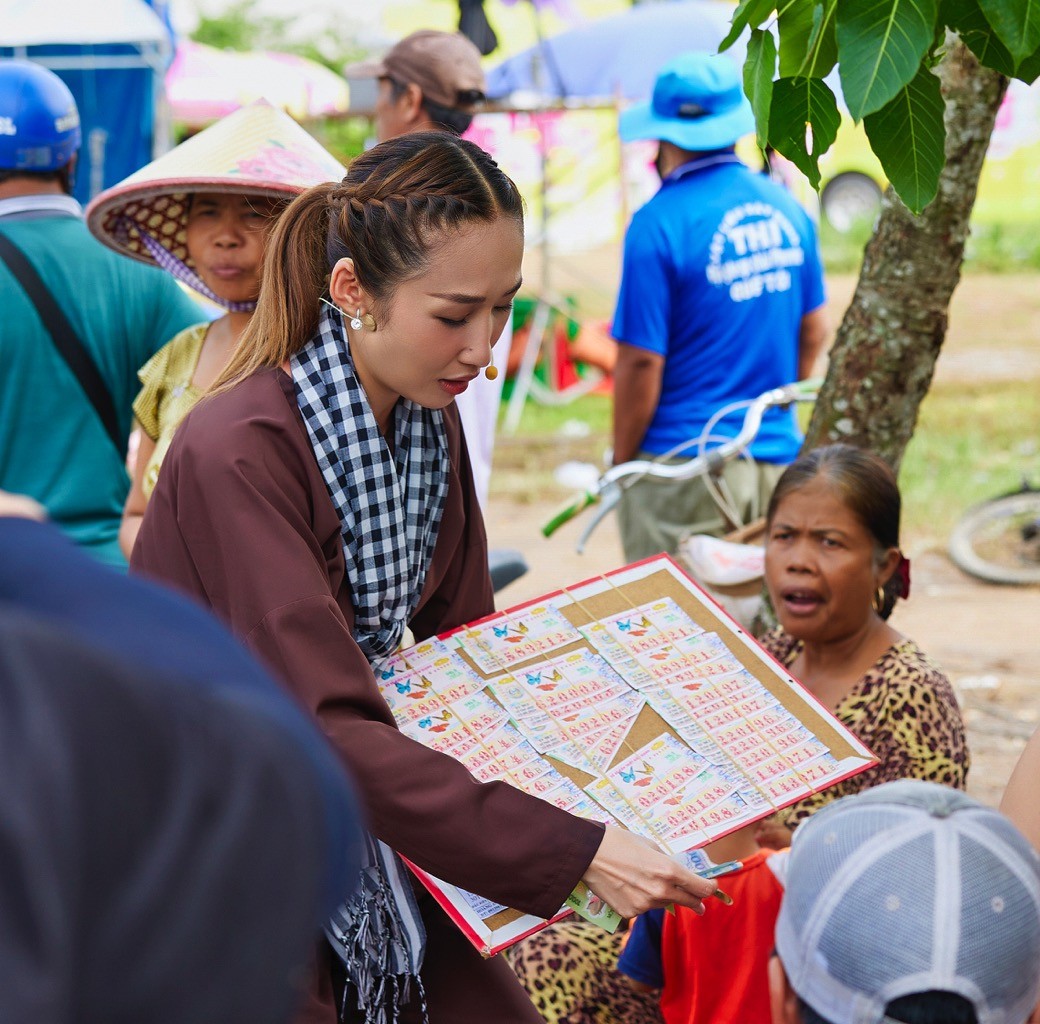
(606,492)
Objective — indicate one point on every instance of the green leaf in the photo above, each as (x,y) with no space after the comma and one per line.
(823,43)
(1029,70)
(1017,22)
(965,17)
(807,43)
(795,22)
(880,47)
(803,122)
(908,135)
(748,12)
(759,69)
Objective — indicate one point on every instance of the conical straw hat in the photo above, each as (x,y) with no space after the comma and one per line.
(258,150)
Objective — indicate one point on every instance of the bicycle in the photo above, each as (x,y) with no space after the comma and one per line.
(729,569)
(708,463)
(998,540)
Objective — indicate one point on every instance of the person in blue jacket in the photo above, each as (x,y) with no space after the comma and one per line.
(173,830)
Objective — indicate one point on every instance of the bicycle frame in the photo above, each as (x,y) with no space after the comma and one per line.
(607,491)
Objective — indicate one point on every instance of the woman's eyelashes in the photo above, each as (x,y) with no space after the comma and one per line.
(451,322)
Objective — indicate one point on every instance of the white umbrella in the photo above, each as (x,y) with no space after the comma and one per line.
(59,22)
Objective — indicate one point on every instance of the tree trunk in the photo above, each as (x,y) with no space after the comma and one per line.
(884,354)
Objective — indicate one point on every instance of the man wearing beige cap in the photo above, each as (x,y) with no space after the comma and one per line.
(433,81)
(429,80)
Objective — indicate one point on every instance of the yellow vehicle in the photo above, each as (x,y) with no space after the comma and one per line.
(852,178)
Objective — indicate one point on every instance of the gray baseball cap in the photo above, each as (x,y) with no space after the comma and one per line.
(907,888)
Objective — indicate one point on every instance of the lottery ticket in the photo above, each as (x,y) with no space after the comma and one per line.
(606,794)
(703,647)
(511,640)
(674,623)
(428,655)
(824,767)
(480,713)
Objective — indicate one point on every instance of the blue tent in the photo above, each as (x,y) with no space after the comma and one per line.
(114,64)
(616,56)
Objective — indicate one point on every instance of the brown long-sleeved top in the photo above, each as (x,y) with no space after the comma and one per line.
(241,520)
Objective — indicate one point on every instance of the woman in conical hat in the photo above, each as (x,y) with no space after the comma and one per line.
(203,212)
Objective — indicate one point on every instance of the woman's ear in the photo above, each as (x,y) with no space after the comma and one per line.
(344,288)
(411,104)
(888,565)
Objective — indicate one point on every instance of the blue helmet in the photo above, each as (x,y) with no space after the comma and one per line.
(39,122)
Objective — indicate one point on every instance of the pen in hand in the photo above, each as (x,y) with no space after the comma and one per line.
(713,872)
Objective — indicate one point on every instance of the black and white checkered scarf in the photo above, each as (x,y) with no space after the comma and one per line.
(390,508)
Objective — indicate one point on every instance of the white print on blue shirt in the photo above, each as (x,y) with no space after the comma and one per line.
(751,250)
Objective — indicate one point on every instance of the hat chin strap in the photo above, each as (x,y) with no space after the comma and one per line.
(180,270)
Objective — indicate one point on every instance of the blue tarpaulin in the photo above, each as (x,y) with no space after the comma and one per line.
(617,56)
(113,65)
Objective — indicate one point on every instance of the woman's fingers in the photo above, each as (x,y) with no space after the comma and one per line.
(633,876)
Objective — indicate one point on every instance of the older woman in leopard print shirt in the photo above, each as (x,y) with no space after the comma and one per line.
(834,571)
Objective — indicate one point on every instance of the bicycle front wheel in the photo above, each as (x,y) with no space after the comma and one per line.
(999,541)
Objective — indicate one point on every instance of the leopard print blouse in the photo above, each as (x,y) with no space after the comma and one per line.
(570,972)
(905,710)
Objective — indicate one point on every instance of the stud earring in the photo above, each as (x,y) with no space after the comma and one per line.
(355,321)
(491,371)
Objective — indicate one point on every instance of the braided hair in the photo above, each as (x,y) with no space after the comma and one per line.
(388,214)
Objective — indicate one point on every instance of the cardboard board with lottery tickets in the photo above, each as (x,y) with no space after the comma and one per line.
(631,699)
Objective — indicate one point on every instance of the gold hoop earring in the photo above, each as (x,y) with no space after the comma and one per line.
(491,371)
(879,600)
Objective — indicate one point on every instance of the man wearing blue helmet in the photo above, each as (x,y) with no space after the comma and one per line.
(721,299)
(78,320)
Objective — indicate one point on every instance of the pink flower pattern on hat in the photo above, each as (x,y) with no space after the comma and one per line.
(258,150)
(281,164)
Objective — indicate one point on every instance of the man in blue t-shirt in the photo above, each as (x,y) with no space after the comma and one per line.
(54,443)
(721,299)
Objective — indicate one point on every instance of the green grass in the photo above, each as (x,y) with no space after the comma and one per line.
(594,412)
(843,253)
(972,442)
(991,248)
(547,437)
(1003,248)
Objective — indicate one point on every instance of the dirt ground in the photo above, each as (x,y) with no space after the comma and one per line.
(982,635)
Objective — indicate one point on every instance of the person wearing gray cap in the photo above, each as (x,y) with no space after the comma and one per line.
(428,80)
(908,903)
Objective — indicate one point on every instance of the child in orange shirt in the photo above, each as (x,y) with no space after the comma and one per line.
(712,969)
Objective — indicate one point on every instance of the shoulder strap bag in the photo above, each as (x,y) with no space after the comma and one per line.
(68,343)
